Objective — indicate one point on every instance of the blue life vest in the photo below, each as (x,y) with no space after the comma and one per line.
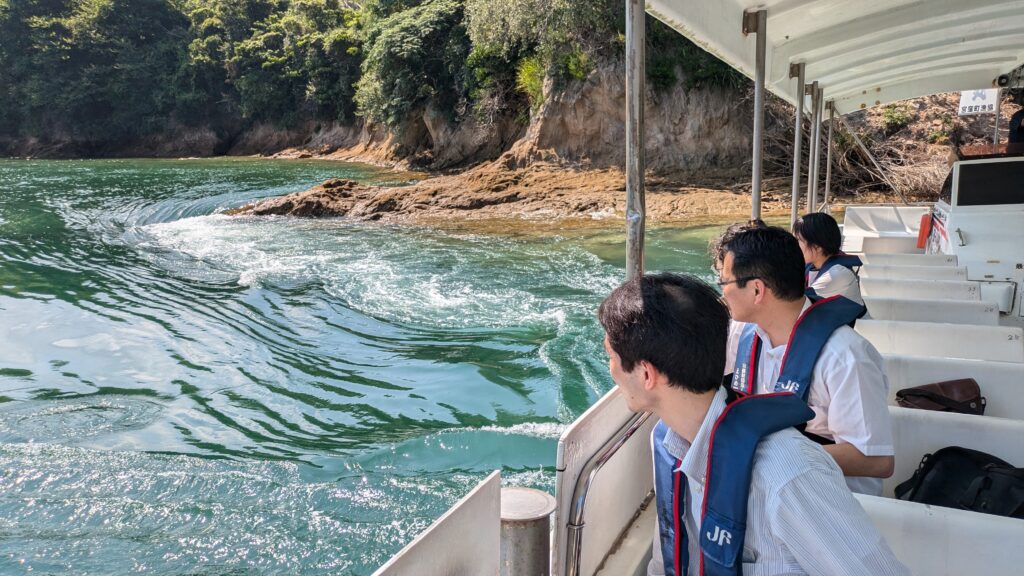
(812,330)
(731,447)
(840,259)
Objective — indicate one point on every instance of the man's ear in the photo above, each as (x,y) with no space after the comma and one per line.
(759,290)
(650,374)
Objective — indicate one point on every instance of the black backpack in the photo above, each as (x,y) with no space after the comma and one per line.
(967,479)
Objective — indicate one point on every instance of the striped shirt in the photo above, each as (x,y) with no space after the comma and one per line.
(801,517)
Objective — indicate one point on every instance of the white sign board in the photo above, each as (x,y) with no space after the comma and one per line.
(979,101)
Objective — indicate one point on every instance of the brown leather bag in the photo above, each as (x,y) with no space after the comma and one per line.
(962,396)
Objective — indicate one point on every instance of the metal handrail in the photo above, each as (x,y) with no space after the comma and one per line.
(574,537)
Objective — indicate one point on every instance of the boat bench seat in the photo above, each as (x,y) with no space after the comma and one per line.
(897,259)
(901,272)
(998,343)
(945,311)
(920,432)
(1001,383)
(893,243)
(940,541)
(923,289)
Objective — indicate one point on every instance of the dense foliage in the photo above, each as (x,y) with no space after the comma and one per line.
(109,70)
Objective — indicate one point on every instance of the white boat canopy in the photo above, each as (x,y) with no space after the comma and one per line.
(863,53)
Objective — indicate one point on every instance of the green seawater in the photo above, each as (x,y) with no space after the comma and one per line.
(183,392)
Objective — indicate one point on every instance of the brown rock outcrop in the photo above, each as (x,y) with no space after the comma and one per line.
(496,191)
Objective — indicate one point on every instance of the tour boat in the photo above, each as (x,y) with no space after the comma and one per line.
(943,283)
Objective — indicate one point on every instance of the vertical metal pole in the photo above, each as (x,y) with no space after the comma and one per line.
(815,164)
(995,130)
(797,71)
(635,89)
(755,22)
(828,156)
(812,91)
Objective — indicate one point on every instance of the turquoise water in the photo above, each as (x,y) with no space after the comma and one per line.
(183,392)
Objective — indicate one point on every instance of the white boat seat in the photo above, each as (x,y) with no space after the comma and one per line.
(1001,383)
(882,259)
(913,272)
(999,343)
(882,244)
(937,541)
(923,289)
(947,311)
(919,432)
(882,220)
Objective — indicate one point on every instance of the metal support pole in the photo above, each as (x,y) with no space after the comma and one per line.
(635,89)
(995,130)
(797,71)
(755,22)
(812,91)
(828,156)
(812,188)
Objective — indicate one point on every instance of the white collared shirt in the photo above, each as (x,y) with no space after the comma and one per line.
(849,392)
(801,518)
(836,281)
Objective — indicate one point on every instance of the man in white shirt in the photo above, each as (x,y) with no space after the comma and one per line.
(762,280)
(666,342)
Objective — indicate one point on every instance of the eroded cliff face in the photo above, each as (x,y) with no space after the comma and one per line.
(686,131)
(581,124)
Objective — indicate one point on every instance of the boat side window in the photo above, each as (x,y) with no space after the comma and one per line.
(989,183)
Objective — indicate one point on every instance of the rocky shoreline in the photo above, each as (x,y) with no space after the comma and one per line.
(502,190)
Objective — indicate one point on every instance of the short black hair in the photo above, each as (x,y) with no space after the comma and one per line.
(676,322)
(769,253)
(715,246)
(821,230)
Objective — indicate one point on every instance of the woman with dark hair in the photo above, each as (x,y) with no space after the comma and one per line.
(830,272)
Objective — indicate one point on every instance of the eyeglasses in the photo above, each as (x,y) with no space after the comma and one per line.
(722,283)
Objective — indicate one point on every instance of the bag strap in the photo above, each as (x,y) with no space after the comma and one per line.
(909,486)
(940,399)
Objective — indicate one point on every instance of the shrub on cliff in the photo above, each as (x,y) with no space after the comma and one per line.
(299,63)
(415,57)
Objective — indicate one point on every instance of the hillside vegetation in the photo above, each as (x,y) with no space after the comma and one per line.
(103,73)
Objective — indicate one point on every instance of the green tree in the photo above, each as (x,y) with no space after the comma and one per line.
(414,58)
(301,62)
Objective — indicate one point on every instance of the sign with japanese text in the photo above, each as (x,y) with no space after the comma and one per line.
(979,102)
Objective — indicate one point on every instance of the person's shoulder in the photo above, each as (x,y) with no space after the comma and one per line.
(846,341)
(842,273)
(788,454)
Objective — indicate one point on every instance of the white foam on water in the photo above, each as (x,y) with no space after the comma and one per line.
(532,429)
(395,274)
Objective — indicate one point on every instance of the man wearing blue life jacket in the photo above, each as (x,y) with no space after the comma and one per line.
(780,340)
(738,489)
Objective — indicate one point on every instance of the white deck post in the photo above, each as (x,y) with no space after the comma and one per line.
(995,129)
(635,90)
(828,155)
(812,90)
(797,71)
(812,188)
(755,22)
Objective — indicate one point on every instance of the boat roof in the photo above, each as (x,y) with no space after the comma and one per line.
(863,53)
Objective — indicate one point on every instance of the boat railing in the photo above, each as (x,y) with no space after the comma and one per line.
(591,466)
(582,489)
